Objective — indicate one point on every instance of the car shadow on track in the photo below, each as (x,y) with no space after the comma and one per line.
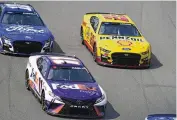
(155,63)
(56,49)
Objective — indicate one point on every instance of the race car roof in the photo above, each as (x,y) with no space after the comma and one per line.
(65,61)
(18,7)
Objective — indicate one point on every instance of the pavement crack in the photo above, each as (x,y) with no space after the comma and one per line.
(144,93)
(171,21)
(156,85)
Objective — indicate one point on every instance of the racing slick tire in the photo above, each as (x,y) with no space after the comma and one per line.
(82,36)
(95,53)
(43,104)
(27,80)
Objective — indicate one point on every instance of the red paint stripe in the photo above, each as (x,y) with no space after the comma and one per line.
(97,111)
(88,45)
(58,109)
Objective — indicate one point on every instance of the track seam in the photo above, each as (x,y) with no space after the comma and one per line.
(9,92)
(143,90)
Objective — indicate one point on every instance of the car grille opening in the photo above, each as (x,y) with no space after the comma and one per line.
(126,59)
(27,47)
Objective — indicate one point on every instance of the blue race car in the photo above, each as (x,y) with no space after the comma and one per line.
(65,86)
(22,30)
(161,117)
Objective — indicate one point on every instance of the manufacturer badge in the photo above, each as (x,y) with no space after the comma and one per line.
(27,43)
(126,54)
(78,101)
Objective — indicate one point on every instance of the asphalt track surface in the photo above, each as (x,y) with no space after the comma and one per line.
(132,94)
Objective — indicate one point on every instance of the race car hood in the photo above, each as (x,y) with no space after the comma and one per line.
(79,91)
(161,117)
(24,32)
(123,44)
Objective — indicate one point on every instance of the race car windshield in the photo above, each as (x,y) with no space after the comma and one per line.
(119,29)
(73,74)
(22,19)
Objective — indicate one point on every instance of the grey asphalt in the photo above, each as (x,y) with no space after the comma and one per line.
(132,94)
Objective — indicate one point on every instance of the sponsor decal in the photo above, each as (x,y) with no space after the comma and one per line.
(116,17)
(124,43)
(73,86)
(79,106)
(127,49)
(121,38)
(24,29)
(28,37)
(89,92)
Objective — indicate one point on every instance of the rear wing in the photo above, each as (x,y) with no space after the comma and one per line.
(103,13)
(56,54)
(149,117)
(7,2)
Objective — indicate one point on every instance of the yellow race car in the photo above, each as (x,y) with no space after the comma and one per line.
(114,40)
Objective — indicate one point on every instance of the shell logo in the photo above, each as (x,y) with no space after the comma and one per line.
(124,43)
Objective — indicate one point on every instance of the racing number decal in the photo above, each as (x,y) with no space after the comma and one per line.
(33,74)
(116,17)
(87,33)
(36,79)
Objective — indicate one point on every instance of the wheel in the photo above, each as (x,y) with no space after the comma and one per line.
(44,107)
(82,36)
(95,53)
(27,80)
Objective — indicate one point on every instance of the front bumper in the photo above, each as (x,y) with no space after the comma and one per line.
(24,48)
(64,110)
(124,62)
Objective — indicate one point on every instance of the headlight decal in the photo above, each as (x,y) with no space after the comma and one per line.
(105,50)
(100,99)
(146,52)
(6,40)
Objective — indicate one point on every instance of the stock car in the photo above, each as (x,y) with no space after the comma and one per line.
(114,40)
(22,31)
(64,86)
(161,117)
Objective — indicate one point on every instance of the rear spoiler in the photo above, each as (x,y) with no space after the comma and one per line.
(102,13)
(160,115)
(7,2)
(51,53)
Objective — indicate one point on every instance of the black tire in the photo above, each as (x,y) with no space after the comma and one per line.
(82,36)
(43,104)
(27,80)
(94,53)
